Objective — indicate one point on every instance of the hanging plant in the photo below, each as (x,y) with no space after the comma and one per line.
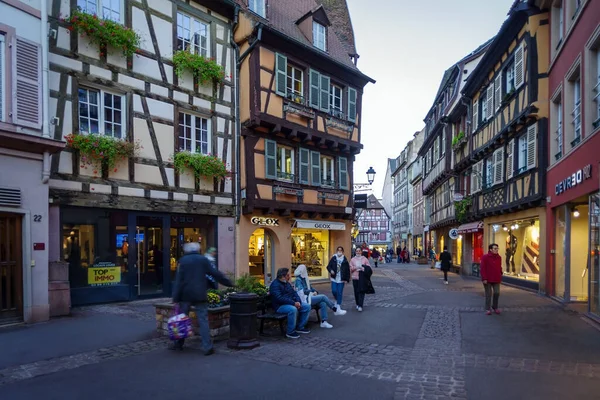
(458,139)
(203,166)
(206,70)
(461,208)
(101,150)
(103,32)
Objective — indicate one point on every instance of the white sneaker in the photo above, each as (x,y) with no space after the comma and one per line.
(339,311)
(326,324)
(445,282)
(359,309)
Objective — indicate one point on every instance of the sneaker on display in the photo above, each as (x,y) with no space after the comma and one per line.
(326,324)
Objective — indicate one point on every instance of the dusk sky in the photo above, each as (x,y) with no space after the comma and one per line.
(406,46)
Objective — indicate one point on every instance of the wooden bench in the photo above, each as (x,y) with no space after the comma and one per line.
(266,312)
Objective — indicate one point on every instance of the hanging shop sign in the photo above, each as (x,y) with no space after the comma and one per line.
(104,274)
(453,233)
(264,221)
(577,178)
(360,201)
(331,226)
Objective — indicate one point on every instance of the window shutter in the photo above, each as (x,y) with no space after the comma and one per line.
(499,169)
(498,90)
(443,149)
(473,179)
(489,172)
(270,159)
(325,92)
(315,91)
(351,104)
(27,85)
(531,146)
(343,172)
(490,101)
(315,166)
(519,66)
(304,166)
(280,74)
(510,151)
(475,120)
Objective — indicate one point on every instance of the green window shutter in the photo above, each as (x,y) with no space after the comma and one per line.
(315,88)
(343,171)
(280,74)
(304,166)
(351,104)
(270,159)
(325,92)
(315,166)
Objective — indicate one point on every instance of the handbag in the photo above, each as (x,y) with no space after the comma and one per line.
(179,326)
(438,264)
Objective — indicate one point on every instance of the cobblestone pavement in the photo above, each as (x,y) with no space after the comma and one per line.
(434,367)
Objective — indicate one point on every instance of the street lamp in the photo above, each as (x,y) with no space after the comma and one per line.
(371,175)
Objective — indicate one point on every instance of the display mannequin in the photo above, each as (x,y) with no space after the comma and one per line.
(511,250)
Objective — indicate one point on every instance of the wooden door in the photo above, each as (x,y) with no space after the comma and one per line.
(11,269)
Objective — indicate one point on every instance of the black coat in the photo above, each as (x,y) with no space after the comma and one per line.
(364,280)
(446,260)
(191,283)
(344,268)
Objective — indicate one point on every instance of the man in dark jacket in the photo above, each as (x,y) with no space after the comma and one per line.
(491,275)
(190,289)
(285,300)
(446,263)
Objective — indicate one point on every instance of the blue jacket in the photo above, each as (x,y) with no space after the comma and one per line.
(282,293)
(300,284)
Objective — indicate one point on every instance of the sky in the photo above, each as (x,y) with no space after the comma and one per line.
(406,45)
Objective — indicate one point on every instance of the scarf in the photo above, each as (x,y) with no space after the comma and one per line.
(301,272)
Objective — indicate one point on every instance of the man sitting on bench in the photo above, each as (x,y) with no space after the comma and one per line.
(286,301)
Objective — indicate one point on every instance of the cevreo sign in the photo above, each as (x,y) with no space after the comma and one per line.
(573,180)
(331,226)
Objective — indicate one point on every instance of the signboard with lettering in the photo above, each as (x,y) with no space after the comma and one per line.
(332,226)
(360,201)
(262,221)
(575,179)
(104,274)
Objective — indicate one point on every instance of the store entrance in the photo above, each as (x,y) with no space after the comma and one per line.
(260,256)
(150,257)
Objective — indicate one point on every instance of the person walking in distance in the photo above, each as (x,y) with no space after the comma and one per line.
(375,255)
(357,265)
(491,275)
(446,261)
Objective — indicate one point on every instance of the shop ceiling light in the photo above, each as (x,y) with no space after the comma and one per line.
(504,227)
(575,212)
(516,227)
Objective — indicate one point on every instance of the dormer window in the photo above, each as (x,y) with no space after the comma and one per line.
(319,36)
(257,7)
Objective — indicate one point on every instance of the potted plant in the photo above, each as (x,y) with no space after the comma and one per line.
(101,150)
(206,70)
(458,139)
(202,165)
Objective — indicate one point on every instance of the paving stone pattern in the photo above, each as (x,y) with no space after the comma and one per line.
(466,309)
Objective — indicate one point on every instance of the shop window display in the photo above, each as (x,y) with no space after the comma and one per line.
(595,254)
(260,256)
(560,251)
(311,248)
(79,249)
(518,243)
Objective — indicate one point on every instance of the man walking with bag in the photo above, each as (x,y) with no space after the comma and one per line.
(190,289)
(491,275)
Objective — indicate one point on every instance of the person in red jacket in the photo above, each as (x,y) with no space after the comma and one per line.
(491,275)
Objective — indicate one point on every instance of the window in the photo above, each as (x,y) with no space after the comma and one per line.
(327,171)
(576,113)
(522,154)
(559,128)
(319,36)
(107,9)
(101,113)
(443,142)
(527,157)
(335,101)
(489,171)
(192,35)
(257,7)
(475,119)
(510,78)
(484,106)
(596,90)
(285,163)
(194,134)
(477,177)
(295,84)
(561,22)
(2,77)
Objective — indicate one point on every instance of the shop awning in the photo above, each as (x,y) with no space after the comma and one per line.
(328,225)
(471,227)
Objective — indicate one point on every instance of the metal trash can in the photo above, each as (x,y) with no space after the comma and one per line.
(243,325)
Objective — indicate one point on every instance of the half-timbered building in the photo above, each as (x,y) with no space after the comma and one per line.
(121,227)
(508,92)
(373,226)
(300,110)
(439,182)
(25,149)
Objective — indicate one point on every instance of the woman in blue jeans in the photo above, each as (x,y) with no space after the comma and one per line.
(339,273)
(312,297)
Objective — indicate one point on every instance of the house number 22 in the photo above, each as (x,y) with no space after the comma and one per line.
(37,218)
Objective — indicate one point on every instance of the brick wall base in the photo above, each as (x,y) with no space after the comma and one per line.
(218,320)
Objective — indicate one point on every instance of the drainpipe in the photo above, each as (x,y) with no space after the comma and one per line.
(45,88)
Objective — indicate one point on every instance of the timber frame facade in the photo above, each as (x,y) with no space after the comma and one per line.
(300,111)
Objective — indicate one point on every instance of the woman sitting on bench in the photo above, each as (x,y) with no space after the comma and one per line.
(309,295)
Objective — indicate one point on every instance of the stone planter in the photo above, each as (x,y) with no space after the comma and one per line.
(218,320)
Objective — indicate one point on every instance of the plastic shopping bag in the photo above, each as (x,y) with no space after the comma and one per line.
(438,264)
(179,326)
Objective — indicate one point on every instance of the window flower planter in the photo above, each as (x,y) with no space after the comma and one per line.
(459,140)
(103,32)
(206,70)
(202,166)
(101,150)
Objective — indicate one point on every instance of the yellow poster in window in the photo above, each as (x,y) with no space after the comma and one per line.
(104,274)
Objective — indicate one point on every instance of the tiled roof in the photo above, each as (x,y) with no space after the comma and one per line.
(373,203)
(282,16)
(338,13)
